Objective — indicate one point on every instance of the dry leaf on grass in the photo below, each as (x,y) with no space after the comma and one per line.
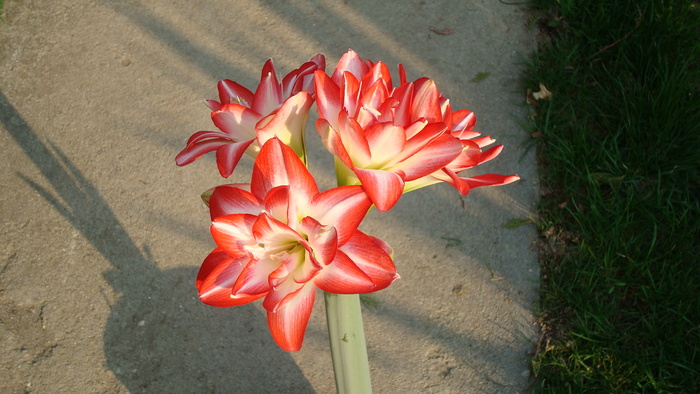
(542,94)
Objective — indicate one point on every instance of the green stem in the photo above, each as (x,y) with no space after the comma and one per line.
(348,347)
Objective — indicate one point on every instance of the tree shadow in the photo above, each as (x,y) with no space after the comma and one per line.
(158,336)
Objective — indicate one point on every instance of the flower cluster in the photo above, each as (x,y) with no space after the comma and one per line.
(279,237)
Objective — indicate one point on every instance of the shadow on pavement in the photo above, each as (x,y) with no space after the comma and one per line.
(158,337)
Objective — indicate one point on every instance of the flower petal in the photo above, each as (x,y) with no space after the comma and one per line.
(421,133)
(288,123)
(268,95)
(490,180)
(277,204)
(352,63)
(328,98)
(288,323)
(278,165)
(253,280)
(232,233)
(426,104)
(228,156)
(342,207)
(353,140)
(195,151)
(463,120)
(203,135)
(301,79)
(232,199)
(351,93)
(404,95)
(379,71)
(216,277)
(322,240)
(386,142)
(231,92)
(464,185)
(373,257)
(343,276)
(384,188)
(436,155)
(237,121)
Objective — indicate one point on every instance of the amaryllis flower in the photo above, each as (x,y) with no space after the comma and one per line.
(281,239)
(461,126)
(393,140)
(382,137)
(247,120)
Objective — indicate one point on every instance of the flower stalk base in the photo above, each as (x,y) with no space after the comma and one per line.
(347,339)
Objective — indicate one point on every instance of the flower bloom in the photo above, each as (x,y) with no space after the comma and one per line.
(393,140)
(461,126)
(280,238)
(247,120)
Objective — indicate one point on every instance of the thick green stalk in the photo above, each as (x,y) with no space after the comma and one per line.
(348,346)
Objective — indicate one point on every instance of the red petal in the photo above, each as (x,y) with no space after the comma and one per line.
(483,141)
(378,71)
(289,122)
(451,178)
(301,79)
(491,180)
(402,74)
(464,185)
(231,199)
(351,93)
(463,120)
(253,280)
(237,121)
(228,155)
(404,95)
(331,140)
(426,103)
(231,92)
(320,62)
(268,95)
(216,277)
(385,142)
(277,204)
(372,256)
(342,207)
(288,323)
(371,100)
(272,231)
(323,240)
(278,165)
(490,154)
(433,157)
(328,98)
(233,232)
(420,134)
(353,140)
(446,110)
(343,276)
(384,188)
(213,104)
(193,152)
(352,63)
(203,135)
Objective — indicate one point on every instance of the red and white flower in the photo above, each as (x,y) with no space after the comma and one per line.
(393,140)
(246,120)
(280,238)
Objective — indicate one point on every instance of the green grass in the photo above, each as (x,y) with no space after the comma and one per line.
(619,144)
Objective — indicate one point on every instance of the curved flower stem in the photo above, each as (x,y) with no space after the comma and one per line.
(348,347)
